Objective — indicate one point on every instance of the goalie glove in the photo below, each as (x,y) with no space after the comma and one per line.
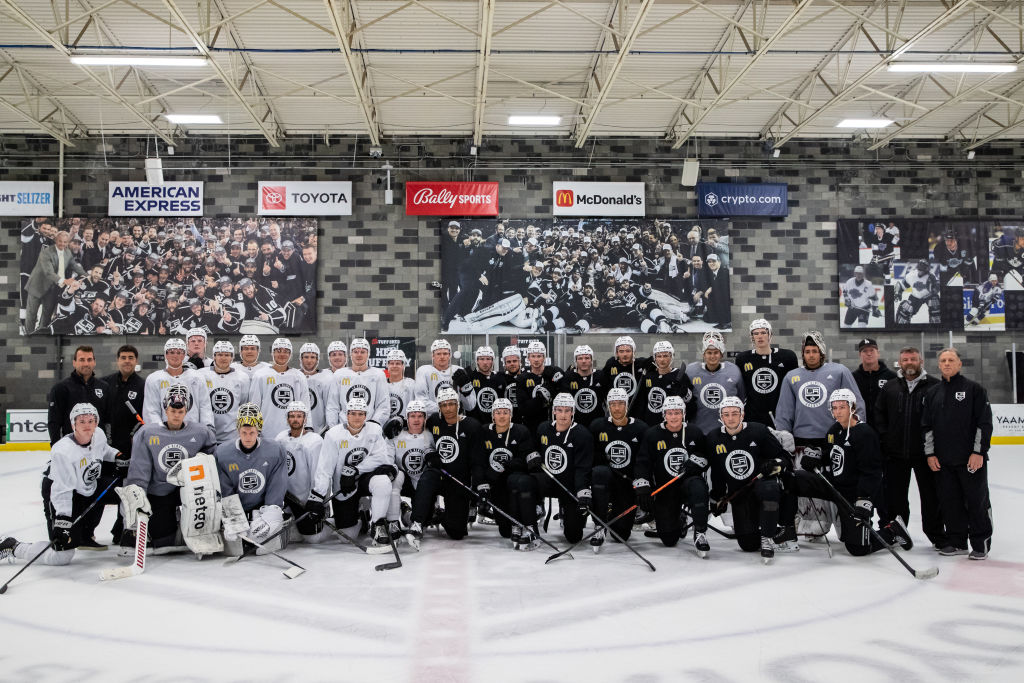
(133,501)
(266,522)
(785,439)
(233,518)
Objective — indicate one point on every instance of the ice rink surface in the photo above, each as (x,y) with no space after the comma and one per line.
(477,611)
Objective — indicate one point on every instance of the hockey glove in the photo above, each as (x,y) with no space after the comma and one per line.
(864,510)
(483,505)
(694,465)
(717,507)
(770,468)
(388,471)
(461,381)
(583,498)
(642,487)
(515,465)
(62,533)
(876,313)
(432,459)
(534,463)
(393,427)
(314,509)
(347,480)
(811,460)
(121,462)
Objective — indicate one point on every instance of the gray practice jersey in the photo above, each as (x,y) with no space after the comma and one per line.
(711,388)
(303,454)
(370,385)
(250,371)
(160,381)
(156,449)
(319,388)
(227,391)
(272,391)
(401,392)
(408,451)
(803,408)
(74,468)
(365,451)
(259,477)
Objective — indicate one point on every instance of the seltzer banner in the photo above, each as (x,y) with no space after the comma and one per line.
(26,198)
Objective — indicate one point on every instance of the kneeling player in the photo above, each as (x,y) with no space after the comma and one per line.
(69,487)
(410,448)
(500,473)
(302,446)
(740,451)
(669,450)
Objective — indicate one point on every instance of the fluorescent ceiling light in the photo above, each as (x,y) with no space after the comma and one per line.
(138,60)
(863,123)
(193,118)
(534,120)
(952,67)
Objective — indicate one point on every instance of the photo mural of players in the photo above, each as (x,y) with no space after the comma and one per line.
(163,276)
(931,274)
(585,275)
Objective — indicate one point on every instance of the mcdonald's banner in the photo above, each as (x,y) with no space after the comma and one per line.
(599,199)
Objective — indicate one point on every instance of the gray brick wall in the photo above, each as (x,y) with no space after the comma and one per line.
(375,266)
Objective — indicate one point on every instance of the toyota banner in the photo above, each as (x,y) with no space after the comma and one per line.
(723,200)
(305,198)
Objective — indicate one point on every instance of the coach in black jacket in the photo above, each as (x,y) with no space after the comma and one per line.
(82,386)
(957,422)
(897,417)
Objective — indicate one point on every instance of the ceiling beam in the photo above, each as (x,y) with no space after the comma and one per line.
(41,125)
(595,105)
(483,64)
(343,24)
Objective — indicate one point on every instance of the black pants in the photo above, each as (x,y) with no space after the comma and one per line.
(611,494)
(856,537)
(572,520)
(501,498)
(456,503)
(756,513)
(305,526)
(897,485)
(163,522)
(346,512)
(668,506)
(78,504)
(965,505)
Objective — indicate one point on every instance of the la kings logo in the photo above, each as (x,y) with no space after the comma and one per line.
(739,464)
(355,456)
(712,395)
(412,461)
(619,454)
(510,394)
(499,459)
(586,400)
(812,394)
(838,456)
(675,458)
(290,461)
(358,391)
(314,400)
(486,398)
(625,380)
(281,395)
(655,400)
(251,481)
(448,448)
(397,405)
(171,455)
(764,380)
(222,401)
(92,473)
(556,459)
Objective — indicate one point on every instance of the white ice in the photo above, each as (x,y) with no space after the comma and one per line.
(477,611)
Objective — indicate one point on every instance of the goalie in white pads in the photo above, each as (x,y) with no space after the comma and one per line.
(302,446)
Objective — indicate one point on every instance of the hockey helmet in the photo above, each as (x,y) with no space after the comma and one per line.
(761,324)
(224,346)
(359,343)
(174,344)
(536,347)
(416,406)
(84,409)
(664,347)
(625,341)
(177,396)
(309,347)
(249,340)
(501,404)
(356,405)
(843,395)
(617,394)
(397,354)
(815,338)
(922,266)
(485,352)
(297,407)
(249,415)
(446,394)
(563,400)
(511,351)
(673,403)
(993,278)
(583,350)
(440,344)
(336,346)
(282,343)
(731,402)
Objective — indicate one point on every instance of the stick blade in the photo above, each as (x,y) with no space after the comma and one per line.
(294,572)
(925,574)
(388,565)
(118,573)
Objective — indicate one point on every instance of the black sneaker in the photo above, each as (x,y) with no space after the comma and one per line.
(951,550)
(90,544)
(900,534)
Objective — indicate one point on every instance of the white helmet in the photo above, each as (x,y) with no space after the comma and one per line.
(843,395)
(446,394)
(617,394)
(416,406)
(174,344)
(337,346)
(282,343)
(536,347)
(510,351)
(224,346)
(713,342)
(501,404)
(563,400)
(309,347)
(815,338)
(625,341)
(731,402)
(673,403)
(359,343)
(761,324)
(196,332)
(298,407)
(356,405)
(84,409)
(583,350)
(439,344)
(664,347)
(485,352)
(397,354)
(249,340)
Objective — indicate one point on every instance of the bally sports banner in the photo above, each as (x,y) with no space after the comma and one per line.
(167,199)
(599,199)
(304,198)
(451,199)
(24,198)
(724,200)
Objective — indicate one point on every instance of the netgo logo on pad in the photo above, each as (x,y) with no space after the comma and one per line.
(273,198)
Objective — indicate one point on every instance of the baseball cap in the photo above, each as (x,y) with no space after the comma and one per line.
(866,342)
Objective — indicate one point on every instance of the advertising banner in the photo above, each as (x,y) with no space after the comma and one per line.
(24,198)
(304,198)
(1007,424)
(27,426)
(167,199)
(451,199)
(742,199)
(380,347)
(599,199)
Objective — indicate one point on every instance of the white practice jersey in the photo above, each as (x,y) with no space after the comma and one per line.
(861,295)
(365,451)
(251,370)
(319,388)
(370,384)
(157,384)
(401,393)
(75,468)
(429,380)
(921,286)
(226,391)
(408,450)
(272,391)
(303,456)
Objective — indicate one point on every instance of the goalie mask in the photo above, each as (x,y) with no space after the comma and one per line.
(177,397)
(815,338)
(249,415)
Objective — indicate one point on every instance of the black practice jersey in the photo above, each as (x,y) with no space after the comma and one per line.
(853,461)
(502,454)
(534,394)
(762,378)
(655,387)
(737,458)
(618,446)
(568,455)
(488,388)
(589,393)
(663,453)
(458,445)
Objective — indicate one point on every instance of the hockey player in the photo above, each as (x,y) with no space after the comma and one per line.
(585,385)
(249,351)
(302,447)
(500,473)
(763,368)
(617,440)
(986,294)
(69,487)
(274,387)
(566,451)
(319,386)
(953,259)
(535,387)
(410,448)
(337,354)
(739,452)
(457,443)
(674,449)
(1008,259)
(512,360)
(713,380)
(430,379)
(195,347)
(256,470)
(660,381)
(488,385)
(624,370)
(401,389)
(355,462)
(860,298)
(227,387)
(156,448)
(160,381)
(359,381)
(924,289)
(853,464)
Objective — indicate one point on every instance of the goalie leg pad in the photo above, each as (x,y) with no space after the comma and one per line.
(233,517)
(200,514)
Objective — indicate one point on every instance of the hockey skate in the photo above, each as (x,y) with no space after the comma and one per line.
(898,533)
(414,535)
(767,550)
(700,544)
(524,539)
(785,541)
(380,539)
(7,547)
(597,540)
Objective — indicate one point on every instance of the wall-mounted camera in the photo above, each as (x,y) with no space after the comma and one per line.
(376,151)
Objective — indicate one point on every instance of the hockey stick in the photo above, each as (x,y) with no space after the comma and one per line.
(515,522)
(817,518)
(3,588)
(139,565)
(138,419)
(391,565)
(296,569)
(345,536)
(929,573)
(597,519)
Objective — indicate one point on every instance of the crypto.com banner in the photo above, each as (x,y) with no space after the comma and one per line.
(599,199)
(724,200)
(309,198)
(451,199)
